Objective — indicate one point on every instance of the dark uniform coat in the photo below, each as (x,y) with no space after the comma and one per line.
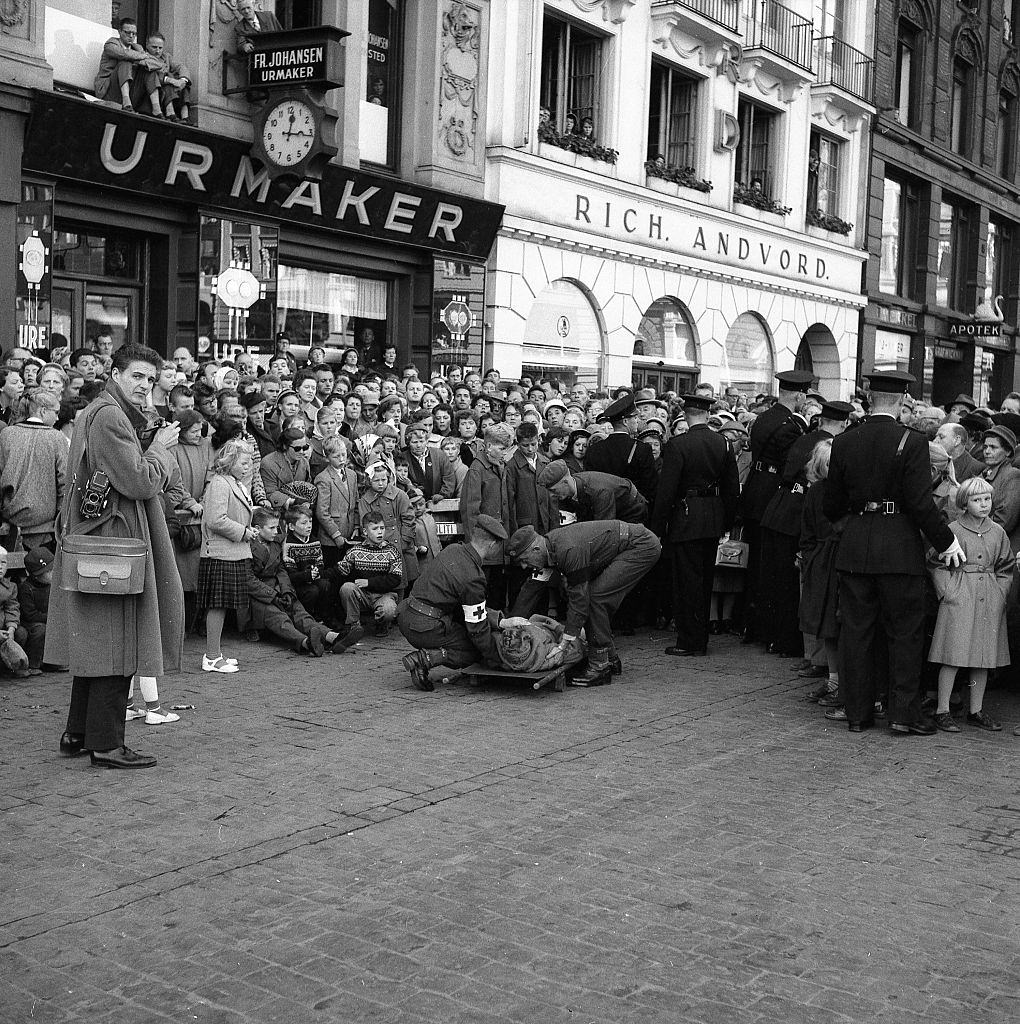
(699,461)
(621,455)
(784,511)
(602,496)
(772,435)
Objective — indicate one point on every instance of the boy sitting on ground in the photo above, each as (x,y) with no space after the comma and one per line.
(375,572)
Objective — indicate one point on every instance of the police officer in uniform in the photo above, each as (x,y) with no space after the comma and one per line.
(780,537)
(621,453)
(695,505)
(772,434)
(880,477)
(593,496)
(445,618)
(599,564)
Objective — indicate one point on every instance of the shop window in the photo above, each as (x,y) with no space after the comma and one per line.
(908,73)
(34,281)
(758,136)
(898,263)
(571,76)
(334,311)
(1005,159)
(823,174)
(950,277)
(892,351)
(458,304)
(237,282)
(749,360)
(960,104)
(380,107)
(666,332)
(672,117)
(563,336)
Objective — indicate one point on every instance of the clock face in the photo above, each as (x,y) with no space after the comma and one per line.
(288,132)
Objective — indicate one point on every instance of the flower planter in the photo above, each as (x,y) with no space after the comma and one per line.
(669,188)
(777,219)
(829,236)
(694,195)
(588,163)
(561,156)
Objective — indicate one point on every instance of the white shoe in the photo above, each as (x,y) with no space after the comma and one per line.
(221,664)
(160,717)
(132,713)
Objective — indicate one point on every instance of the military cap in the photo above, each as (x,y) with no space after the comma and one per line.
(493,527)
(836,410)
(622,407)
(700,402)
(796,380)
(1004,434)
(521,540)
(552,473)
(962,399)
(656,427)
(554,403)
(890,382)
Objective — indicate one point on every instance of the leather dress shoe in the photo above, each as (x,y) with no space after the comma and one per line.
(615,665)
(72,746)
(861,726)
(121,757)
(922,727)
(684,652)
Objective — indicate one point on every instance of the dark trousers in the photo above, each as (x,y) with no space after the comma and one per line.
(778,593)
(873,606)
(98,706)
(423,632)
(693,571)
(619,578)
(292,625)
(751,533)
(33,638)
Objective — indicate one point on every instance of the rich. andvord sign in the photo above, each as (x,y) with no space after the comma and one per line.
(307,57)
(162,161)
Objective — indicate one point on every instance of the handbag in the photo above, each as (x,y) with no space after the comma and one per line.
(113,566)
(732,553)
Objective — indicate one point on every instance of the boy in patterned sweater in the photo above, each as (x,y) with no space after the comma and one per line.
(375,572)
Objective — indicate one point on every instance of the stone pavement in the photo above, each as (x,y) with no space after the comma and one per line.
(321,842)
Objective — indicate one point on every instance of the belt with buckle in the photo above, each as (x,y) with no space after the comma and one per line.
(882,508)
(796,488)
(424,609)
(765,467)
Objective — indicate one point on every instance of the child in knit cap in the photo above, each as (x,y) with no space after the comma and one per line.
(34,597)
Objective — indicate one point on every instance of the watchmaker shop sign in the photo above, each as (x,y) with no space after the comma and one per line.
(311,58)
(291,65)
(160,160)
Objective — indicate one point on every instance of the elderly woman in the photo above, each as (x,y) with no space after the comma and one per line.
(997,448)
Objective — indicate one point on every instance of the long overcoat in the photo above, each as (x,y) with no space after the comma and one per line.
(100,635)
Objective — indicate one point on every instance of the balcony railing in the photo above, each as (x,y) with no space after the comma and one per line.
(776,28)
(839,64)
(722,12)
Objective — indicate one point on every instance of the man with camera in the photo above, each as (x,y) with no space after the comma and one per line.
(117,609)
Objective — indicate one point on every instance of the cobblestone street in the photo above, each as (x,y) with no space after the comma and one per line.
(321,842)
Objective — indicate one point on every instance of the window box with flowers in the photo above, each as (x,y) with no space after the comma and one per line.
(758,200)
(828,222)
(672,179)
(570,146)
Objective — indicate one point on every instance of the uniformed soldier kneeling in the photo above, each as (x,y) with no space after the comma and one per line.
(599,564)
(445,618)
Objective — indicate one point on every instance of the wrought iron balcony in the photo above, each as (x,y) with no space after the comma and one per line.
(846,68)
(777,30)
(722,12)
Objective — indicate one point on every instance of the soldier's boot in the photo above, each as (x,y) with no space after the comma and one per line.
(599,671)
(418,664)
(615,665)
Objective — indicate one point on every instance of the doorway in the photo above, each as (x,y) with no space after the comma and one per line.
(82,311)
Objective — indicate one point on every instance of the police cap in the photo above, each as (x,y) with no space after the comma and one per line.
(624,406)
(795,380)
(836,410)
(891,382)
(493,527)
(552,473)
(700,403)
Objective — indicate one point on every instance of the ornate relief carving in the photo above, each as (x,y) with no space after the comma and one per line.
(615,11)
(458,78)
(824,108)
(14,18)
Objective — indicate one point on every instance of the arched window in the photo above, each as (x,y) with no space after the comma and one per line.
(666,332)
(749,361)
(563,335)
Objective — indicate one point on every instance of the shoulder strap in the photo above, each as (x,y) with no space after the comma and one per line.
(633,450)
(903,443)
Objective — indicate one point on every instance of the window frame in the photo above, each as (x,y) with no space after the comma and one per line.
(961,101)
(959,255)
(687,151)
(907,221)
(834,174)
(559,97)
(768,119)
(909,38)
(396,95)
(1005,135)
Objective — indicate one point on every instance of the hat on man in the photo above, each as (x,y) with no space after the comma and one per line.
(493,527)
(552,473)
(962,399)
(976,421)
(794,380)
(620,409)
(1004,434)
(644,396)
(416,428)
(252,399)
(698,403)
(890,382)
(733,428)
(554,403)
(38,560)
(521,540)
(836,410)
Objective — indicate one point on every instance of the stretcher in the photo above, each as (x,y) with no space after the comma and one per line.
(556,677)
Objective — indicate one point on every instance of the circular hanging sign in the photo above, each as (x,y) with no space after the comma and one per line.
(562,326)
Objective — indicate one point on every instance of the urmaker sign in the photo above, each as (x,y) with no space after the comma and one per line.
(88,142)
